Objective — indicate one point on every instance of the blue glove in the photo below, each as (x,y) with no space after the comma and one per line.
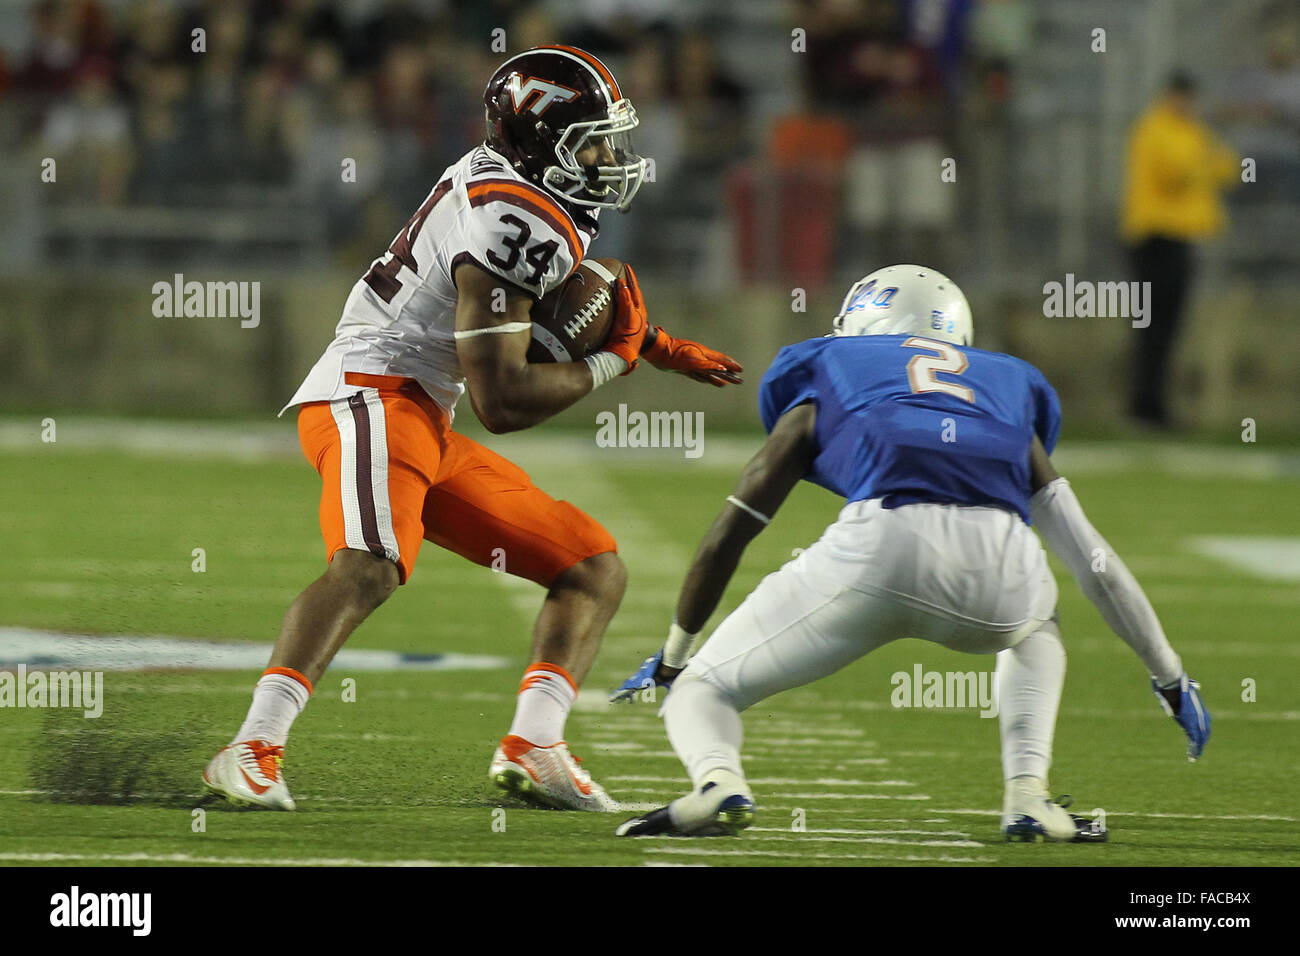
(644,679)
(1183,703)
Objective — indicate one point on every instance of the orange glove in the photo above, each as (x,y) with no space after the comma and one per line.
(630,323)
(691,358)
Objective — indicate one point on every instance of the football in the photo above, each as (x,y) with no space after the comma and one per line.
(573,320)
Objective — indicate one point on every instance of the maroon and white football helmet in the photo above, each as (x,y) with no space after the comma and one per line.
(545,105)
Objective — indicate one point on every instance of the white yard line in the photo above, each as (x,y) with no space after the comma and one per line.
(847,831)
(849,796)
(1273,558)
(633,749)
(810,797)
(229,860)
(700,851)
(638,755)
(776,781)
(1167,816)
(884,841)
(1247,713)
(760,728)
(819,743)
(767,811)
(668,863)
(50,650)
(344,803)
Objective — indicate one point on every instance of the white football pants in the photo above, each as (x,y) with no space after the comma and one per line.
(971,579)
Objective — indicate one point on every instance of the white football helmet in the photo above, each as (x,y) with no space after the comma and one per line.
(898,300)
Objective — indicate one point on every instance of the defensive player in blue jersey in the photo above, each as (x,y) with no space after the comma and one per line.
(940,451)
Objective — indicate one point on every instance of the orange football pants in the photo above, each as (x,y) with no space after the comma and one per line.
(394,474)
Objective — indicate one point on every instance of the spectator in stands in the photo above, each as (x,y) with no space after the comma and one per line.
(54,50)
(88,135)
(1177,169)
(712,103)
(216,102)
(1263,105)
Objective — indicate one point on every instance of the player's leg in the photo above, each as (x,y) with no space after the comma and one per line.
(566,635)
(1030,677)
(488,510)
(795,628)
(579,605)
(1016,589)
(373,451)
(321,617)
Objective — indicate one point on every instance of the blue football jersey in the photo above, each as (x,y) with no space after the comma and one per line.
(911,419)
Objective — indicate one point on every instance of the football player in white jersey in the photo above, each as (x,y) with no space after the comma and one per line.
(509,221)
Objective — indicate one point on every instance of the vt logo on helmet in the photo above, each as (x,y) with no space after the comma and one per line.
(906,300)
(546,106)
(522,93)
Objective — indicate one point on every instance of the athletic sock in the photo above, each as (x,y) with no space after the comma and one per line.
(1030,677)
(705,729)
(545,695)
(278,699)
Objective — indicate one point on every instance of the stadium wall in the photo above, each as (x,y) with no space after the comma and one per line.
(91,343)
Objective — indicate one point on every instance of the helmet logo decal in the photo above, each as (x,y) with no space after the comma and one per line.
(869,295)
(941,324)
(536,94)
(861,298)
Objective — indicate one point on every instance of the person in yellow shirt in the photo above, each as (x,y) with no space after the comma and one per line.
(1176,171)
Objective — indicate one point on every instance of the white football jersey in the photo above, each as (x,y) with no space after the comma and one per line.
(400,318)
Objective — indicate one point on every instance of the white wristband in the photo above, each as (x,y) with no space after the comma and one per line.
(507,329)
(677,649)
(605,366)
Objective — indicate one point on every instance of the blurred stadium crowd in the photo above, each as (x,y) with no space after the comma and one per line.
(797,144)
(766,164)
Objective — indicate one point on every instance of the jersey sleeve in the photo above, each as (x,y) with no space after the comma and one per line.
(787,383)
(517,232)
(1047,410)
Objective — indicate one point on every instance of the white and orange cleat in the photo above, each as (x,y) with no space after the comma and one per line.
(547,776)
(248,774)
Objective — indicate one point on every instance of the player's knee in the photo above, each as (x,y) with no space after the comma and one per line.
(368,578)
(702,683)
(602,576)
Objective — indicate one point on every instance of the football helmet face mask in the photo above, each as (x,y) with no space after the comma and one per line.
(546,106)
(906,299)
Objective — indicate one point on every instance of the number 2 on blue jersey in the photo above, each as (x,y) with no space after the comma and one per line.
(921,370)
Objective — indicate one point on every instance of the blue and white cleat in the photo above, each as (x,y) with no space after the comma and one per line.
(644,679)
(1029,814)
(723,806)
(1182,701)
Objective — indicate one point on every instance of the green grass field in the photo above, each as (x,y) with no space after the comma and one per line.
(100,540)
